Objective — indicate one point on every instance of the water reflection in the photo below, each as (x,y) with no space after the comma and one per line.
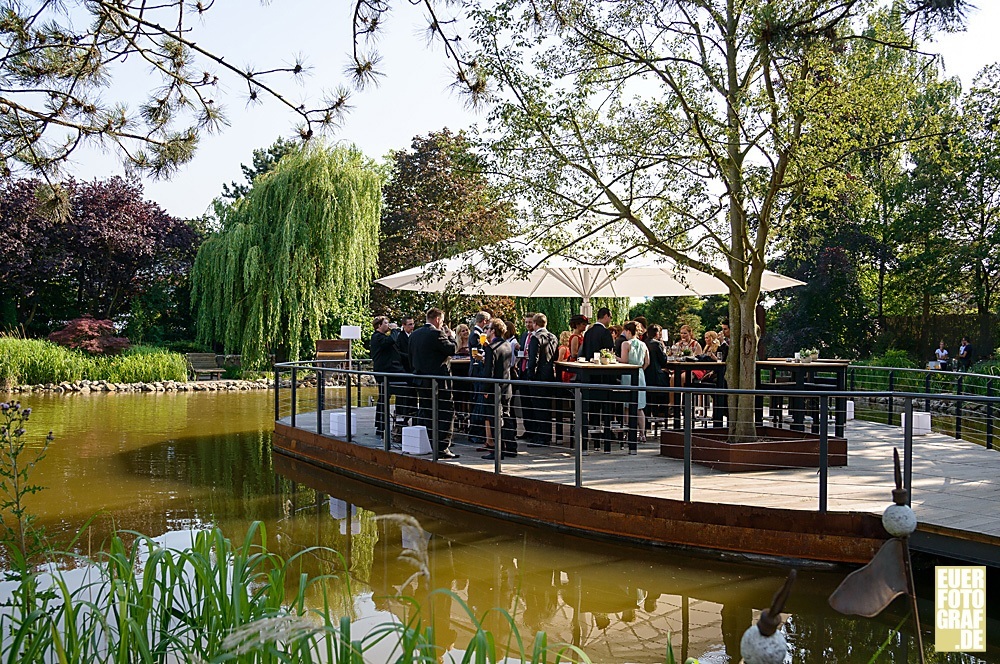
(164,463)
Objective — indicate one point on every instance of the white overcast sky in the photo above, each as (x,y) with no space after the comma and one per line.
(414,97)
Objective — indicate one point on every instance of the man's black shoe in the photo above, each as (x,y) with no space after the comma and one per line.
(447,454)
(506,455)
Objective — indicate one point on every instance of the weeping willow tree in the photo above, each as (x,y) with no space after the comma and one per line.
(559,309)
(298,251)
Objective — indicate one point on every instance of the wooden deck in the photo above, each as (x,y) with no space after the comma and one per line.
(956,492)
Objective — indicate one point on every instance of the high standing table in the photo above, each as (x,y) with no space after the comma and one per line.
(588,372)
(804,379)
(678,369)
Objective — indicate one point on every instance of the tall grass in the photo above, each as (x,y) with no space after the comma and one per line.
(211,602)
(34,361)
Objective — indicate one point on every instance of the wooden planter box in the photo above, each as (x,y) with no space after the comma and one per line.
(776,449)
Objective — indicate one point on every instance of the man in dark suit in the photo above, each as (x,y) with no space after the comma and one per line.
(541,371)
(431,348)
(385,359)
(498,356)
(406,400)
(596,339)
(526,344)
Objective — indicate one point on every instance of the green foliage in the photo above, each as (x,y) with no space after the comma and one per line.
(216,601)
(33,361)
(19,535)
(438,202)
(558,310)
(294,256)
(264,161)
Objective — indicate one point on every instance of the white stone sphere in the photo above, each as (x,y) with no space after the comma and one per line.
(759,649)
(899,520)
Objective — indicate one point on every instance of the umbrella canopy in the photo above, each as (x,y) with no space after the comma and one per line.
(563,276)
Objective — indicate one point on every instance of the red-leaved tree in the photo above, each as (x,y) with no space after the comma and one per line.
(97,337)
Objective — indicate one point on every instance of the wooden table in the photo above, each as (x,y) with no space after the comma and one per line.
(679,369)
(597,401)
(804,379)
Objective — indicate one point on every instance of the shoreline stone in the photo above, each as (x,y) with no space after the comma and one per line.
(90,387)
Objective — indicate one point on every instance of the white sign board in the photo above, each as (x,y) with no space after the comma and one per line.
(350,331)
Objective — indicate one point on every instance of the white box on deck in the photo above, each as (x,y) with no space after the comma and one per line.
(850,410)
(415,440)
(338,424)
(921,423)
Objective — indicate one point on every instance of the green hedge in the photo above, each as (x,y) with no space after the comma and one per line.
(33,361)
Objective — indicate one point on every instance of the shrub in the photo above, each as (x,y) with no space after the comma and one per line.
(90,335)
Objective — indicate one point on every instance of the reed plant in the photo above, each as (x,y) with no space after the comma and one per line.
(35,361)
(214,601)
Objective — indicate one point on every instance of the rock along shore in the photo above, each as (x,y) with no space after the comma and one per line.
(89,386)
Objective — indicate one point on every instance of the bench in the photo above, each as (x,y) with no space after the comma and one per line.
(200,364)
(332,349)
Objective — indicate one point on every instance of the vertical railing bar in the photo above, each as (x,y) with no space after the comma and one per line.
(277,390)
(908,449)
(435,434)
(958,407)
(497,436)
(578,435)
(927,390)
(824,451)
(688,416)
(386,421)
(989,414)
(348,404)
(892,386)
(294,388)
(320,398)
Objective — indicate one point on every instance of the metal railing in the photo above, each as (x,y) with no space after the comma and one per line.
(598,415)
(960,415)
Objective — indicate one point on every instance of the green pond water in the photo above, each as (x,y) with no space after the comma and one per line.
(166,464)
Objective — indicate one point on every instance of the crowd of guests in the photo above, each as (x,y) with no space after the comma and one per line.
(431,354)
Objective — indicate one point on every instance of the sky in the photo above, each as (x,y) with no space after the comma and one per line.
(414,97)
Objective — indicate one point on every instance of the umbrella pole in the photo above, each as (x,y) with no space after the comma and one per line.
(586,309)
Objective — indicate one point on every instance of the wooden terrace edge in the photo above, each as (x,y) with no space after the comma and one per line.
(840,537)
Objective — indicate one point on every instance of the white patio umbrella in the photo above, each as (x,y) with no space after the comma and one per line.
(562,276)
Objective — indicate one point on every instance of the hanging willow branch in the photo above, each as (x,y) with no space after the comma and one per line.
(300,249)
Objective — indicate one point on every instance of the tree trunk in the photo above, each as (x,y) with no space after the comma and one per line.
(741,373)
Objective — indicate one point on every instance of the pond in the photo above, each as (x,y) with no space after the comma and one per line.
(163,463)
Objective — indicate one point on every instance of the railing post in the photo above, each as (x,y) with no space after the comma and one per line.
(927,390)
(320,400)
(497,436)
(348,404)
(989,414)
(578,434)
(294,396)
(277,400)
(908,449)
(687,402)
(359,391)
(852,373)
(892,386)
(824,451)
(386,421)
(435,435)
(958,407)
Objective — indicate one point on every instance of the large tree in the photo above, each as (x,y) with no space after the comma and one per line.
(107,248)
(438,203)
(295,254)
(689,128)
